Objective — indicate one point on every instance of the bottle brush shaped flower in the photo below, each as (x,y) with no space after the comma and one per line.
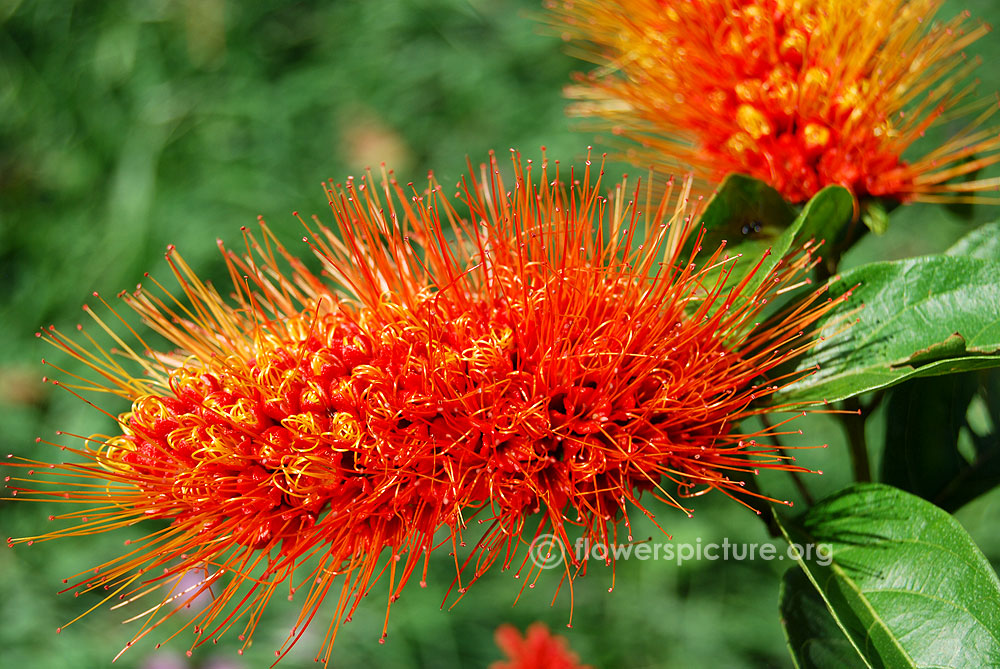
(550,351)
(798,93)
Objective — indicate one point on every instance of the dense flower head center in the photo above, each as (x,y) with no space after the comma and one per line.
(536,402)
(787,122)
(274,438)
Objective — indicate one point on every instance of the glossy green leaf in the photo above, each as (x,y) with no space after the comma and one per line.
(811,633)
(932,446)
(754,220)
(983,242)
(920,317)
(745,211)
(823,217)
(903,582)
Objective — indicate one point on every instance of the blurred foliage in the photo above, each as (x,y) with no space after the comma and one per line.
(125,126)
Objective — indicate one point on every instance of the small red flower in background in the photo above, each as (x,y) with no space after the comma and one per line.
(799,93)
(552,351)
(537,649)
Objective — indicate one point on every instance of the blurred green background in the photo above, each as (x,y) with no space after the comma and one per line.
(125,126)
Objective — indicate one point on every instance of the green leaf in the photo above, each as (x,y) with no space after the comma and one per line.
(983,243)
(904,583)
(748,216)
(823,217)
(755,221)
(811,633)
(747,213)
(921,317)
(932,448)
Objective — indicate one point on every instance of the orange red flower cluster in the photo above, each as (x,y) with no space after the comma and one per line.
(537,649)
(550,350)
(799,93)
